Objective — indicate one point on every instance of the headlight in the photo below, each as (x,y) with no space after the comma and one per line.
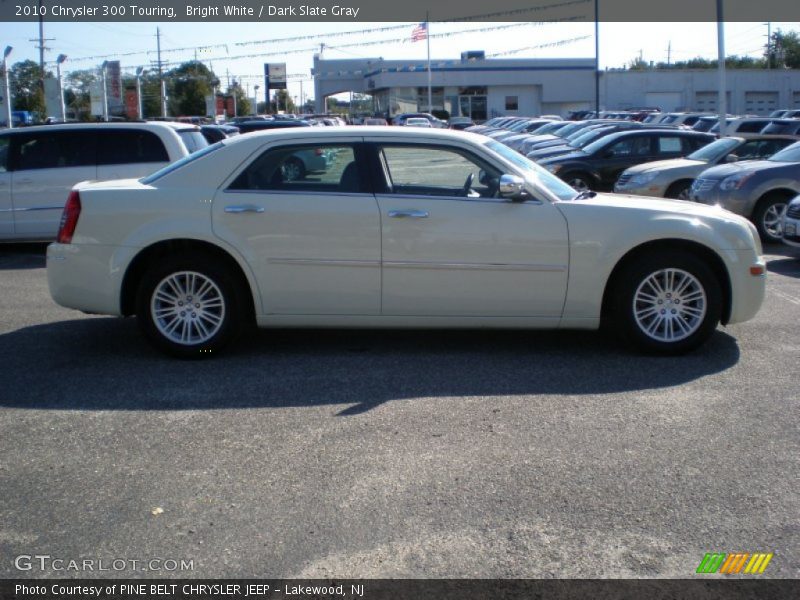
(553,168)
(643,178)
(735,182)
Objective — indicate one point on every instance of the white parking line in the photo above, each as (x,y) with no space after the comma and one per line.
(788,297)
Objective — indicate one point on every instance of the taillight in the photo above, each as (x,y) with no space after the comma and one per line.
(69,218)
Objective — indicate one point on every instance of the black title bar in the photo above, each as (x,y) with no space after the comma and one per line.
(164,11)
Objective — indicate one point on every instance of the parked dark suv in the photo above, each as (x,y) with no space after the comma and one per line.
(597,166)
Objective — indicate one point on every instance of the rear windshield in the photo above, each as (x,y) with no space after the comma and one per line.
(181,163)
(193,139)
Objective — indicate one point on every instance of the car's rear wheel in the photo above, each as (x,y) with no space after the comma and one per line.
(668,303)
(189,307)
(768,218)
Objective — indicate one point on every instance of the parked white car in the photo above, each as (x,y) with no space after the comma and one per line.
(39,165)
(417,122)
(408,228)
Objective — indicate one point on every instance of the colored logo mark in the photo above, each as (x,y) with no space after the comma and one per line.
(730,564)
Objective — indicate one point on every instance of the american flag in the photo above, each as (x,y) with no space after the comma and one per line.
(419,33)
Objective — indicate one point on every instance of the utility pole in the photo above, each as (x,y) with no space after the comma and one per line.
(723,97)
(769,44)
(161,86)
(41,40)
(669,53)
(596,59)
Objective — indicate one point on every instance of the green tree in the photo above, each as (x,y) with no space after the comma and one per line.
(785,50)
(282,102)
(189,84)
(77,88)
(26,88)
(242,101)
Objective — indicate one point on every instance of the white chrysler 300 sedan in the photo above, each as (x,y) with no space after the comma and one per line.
(404,228)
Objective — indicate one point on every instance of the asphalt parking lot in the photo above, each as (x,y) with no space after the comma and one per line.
(395,454)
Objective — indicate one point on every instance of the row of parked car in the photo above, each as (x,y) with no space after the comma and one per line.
(754,173)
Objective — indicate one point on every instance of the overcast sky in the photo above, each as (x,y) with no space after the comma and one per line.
(619,43)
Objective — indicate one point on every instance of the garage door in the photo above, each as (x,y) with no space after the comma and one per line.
(760,103)
(707,101)
(666,101)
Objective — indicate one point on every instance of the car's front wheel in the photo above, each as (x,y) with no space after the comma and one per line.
(668,303)
(580,182)
(768,218)
(189,308)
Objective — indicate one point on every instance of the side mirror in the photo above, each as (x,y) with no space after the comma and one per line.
(731,158)
(511,187)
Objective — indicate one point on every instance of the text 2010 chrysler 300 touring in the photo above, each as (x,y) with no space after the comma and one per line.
(404,228)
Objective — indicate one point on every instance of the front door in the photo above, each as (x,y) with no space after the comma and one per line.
(451,247)
(308,224)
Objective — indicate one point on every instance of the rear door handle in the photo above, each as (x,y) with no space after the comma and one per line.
(408,214)
(244,208)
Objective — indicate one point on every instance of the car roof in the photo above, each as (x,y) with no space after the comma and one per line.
(153,125)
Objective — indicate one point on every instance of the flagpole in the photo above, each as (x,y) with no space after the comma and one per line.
(428,38)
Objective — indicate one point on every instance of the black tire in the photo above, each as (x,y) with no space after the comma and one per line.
(293,169)
(763,217)
(223,324)
(691,318)
(679,190)
(579,181)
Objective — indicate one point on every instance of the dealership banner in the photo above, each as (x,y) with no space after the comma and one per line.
(408,10)
(400,589)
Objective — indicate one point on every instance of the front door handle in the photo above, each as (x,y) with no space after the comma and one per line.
(408,214)
(244,208)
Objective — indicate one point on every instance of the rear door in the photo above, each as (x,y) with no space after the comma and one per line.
(46,164)
(312,236)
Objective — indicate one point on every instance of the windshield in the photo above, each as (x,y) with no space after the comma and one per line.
(180,163)
(549,128)
(589,136)
(565,131)
(780,128)
(714,151)
(556,187)
(788,154)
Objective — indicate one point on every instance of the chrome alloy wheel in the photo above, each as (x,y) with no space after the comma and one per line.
(773,219)
(669,305)
(187,308)
(579,184)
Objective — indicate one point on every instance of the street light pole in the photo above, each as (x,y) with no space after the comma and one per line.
(8,86)
(723,96)
(139,106)
(59,61)
(105,90)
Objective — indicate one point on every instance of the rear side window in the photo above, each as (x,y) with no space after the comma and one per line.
(303,169)
(669,145)
(55,149)
(124,146)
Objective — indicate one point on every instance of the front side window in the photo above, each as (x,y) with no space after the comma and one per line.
(193,139)
(55,149)
(303,168)
(632,146)
(430,171)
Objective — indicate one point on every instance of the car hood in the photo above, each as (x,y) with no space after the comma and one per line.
(624,213)
(578,155)
(666,165)
(726,170)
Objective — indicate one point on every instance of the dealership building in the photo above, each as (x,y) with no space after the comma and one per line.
(483,88)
